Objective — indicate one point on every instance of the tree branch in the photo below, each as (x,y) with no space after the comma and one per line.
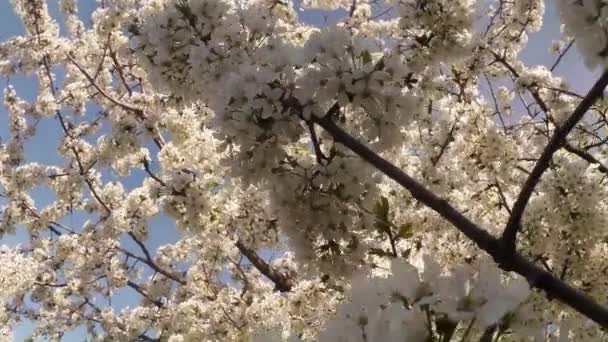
(281,282)
(315,143)
(139,112)
(144,293)
(561,55)
(353,8)
(558,140)
(535,276)
(445,144)
(587,156)
(150,261)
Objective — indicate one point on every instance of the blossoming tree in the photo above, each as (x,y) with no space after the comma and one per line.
(416,179)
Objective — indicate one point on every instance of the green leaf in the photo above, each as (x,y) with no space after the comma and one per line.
(406,231)
(212,185)
(381,210)
(366,57)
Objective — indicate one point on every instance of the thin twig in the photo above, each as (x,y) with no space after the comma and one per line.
(315,143)
(557,141)
(145,294)
(102,91)
(561,55)
(445,144)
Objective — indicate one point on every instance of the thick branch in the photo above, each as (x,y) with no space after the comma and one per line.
(418,191)
(557,141)
(281,282)
(536,276)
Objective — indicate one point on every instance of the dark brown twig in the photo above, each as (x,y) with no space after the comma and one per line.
(281,282)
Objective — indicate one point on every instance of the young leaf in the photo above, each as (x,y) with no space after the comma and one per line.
(406,231)
(381,211)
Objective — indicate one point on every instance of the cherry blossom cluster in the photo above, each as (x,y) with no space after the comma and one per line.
(586,22)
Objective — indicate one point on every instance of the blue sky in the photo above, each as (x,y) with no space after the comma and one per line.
(43,147)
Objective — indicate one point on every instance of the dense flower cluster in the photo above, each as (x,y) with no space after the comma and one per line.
(415,307)
(587,22)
